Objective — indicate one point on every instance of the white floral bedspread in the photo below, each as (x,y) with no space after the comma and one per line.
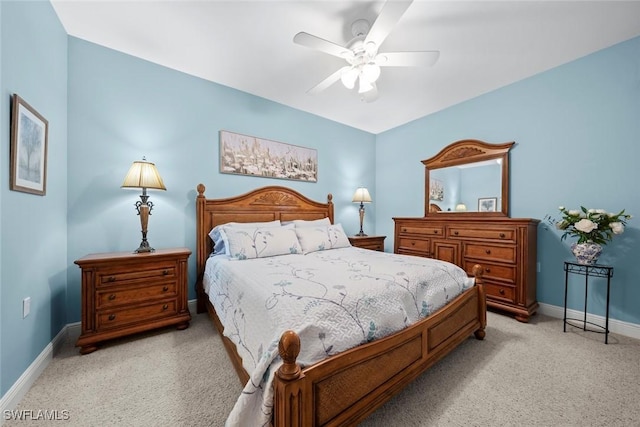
(334,299)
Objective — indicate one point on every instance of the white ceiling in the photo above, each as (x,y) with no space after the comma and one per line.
(248,45)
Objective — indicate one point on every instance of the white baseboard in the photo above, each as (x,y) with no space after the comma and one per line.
(627,329)
(15,394)
(22,385)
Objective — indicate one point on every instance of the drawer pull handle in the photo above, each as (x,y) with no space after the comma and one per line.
(112,297)
(111,279)
(413,243)
(165,289)
(112,317)
(165,272)
(487,270)
(455,232)
(487,251)
(502,235)
(166,306)
(501,291)
(435,231)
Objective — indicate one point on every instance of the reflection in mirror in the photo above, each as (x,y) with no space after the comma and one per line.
(468,177)
(466,185)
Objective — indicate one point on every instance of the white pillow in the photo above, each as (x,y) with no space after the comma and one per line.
(247,243)
(324,222)
(219,237)
(322,238)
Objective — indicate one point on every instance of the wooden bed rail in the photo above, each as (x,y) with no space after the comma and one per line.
(344,390)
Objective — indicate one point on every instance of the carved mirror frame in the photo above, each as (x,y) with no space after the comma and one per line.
(466,152)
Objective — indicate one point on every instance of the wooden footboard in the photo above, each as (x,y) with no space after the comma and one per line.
(344,389)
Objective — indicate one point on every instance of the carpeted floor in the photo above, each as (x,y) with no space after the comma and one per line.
(520,375)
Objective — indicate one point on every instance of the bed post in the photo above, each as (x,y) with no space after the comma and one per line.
(292,403)
(201,249)
(477,272)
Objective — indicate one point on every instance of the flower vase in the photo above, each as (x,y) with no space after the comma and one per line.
(586,253)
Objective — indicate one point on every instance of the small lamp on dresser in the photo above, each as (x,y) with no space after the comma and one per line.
(361,196)
(143,174)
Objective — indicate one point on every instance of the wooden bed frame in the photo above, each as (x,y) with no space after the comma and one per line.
(345,388)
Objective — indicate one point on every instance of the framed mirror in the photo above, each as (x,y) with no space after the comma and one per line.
(468,177)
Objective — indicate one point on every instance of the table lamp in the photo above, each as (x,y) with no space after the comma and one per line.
(143,174)
(361,196)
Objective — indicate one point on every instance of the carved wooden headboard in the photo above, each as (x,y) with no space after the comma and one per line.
(263,204)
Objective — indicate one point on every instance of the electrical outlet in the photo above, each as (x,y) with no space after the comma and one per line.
(26,307)
(539,267)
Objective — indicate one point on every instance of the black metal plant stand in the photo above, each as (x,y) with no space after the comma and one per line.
(587,271)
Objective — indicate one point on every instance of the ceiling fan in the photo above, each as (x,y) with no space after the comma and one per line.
(362,55)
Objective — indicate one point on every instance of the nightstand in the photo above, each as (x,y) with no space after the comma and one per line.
(375,243)
(124,293)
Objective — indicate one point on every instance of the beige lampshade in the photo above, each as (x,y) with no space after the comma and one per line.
(143,174)
(361,196)
(461,207)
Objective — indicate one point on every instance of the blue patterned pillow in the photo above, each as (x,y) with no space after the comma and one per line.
(248,243)
(322,238)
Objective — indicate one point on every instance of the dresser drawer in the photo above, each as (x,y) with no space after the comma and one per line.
(414,245)
(500,292)
(490,271)
(142,272)
(496,234)
(489,252)
(117,318)
(109,297)
(423,231)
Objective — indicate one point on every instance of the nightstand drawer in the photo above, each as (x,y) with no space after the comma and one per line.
(142,272)
(488,252)
(130,295)
(375,243)
(126,316)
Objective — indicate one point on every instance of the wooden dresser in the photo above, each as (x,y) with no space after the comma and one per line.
(124,293)
(505,247)
(375,243)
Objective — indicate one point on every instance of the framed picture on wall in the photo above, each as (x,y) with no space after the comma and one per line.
(29,136)
(249,155)
(487,204)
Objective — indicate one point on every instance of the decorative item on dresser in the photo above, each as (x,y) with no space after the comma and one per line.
(505,247)
(375,243)
(124,293)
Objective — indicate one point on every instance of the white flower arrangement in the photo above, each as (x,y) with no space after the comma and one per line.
(591,225)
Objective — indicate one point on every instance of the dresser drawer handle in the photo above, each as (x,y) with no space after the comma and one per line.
(111,279)
(501,291)
(502,235)
(112,297)
(487,251)
(166,306)
(435,231)
(165,289)
(455,232)
(112,317)
(413,243)
(487,270)
(165,272)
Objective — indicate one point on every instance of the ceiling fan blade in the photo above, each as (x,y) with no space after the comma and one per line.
(313,42)
(328,81)
(407,59)
(390,14)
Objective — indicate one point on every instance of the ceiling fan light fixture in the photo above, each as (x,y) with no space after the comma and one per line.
(365,84)
(371,71)
(349,77)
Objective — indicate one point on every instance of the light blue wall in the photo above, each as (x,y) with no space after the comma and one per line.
(122,108)
(33,259)
(577,133)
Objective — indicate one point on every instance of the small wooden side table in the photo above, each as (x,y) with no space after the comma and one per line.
(375,243)
(125,293)
(587,271)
